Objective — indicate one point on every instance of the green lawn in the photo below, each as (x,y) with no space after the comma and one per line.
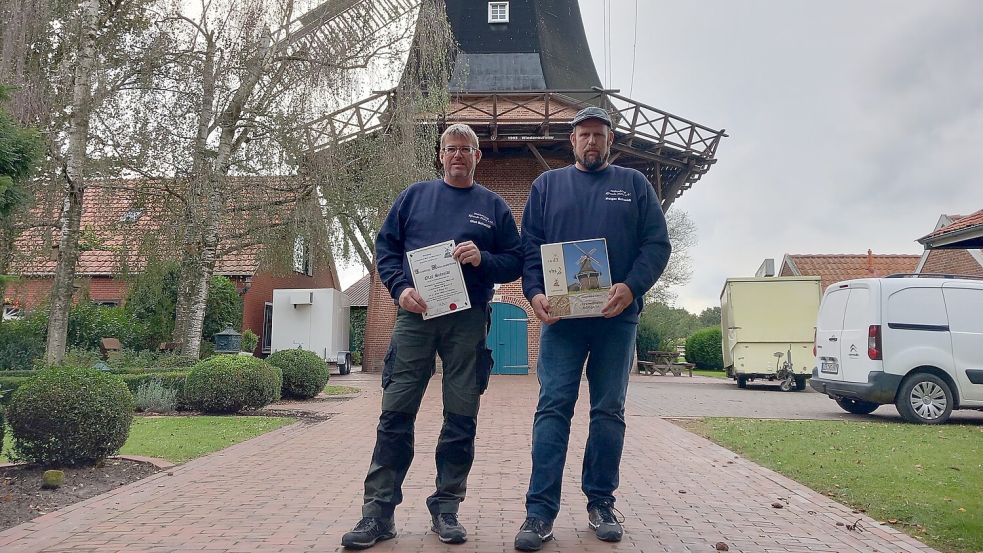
(340,390)
(929,479)
(179,439)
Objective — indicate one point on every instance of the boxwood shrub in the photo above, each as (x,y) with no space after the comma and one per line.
(70,416)
(231,383)
(304,373)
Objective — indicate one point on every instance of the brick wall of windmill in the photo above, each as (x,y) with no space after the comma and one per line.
(510,175)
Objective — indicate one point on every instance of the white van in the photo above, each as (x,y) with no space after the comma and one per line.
(909,340)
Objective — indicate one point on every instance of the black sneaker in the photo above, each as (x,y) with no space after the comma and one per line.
(448,529)
(368,531)
(533,533)
(602,519)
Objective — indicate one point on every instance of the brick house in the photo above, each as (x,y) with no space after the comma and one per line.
(955,246)
(836,267)
(119,225)
(523,70)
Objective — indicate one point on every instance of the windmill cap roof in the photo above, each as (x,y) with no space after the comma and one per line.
(592,112)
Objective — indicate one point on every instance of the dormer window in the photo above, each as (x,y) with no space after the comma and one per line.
(498,12)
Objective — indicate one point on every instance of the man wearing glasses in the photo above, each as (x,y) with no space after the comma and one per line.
(488,249)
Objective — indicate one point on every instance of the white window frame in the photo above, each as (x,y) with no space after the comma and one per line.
(492,12)
(12,312)
(302,257)
(266,342)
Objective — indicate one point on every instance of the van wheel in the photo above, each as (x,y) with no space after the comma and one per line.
(856,406)
(800,383)
(346,368)
(741,381)
(925,398)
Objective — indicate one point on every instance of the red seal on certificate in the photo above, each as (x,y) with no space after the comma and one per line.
(453,306)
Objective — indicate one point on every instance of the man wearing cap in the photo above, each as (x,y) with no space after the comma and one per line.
(587,200)
(457,208)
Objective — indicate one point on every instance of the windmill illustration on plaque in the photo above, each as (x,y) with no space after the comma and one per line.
(577,277)
(588,275)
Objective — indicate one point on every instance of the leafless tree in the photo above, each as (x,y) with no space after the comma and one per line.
(682,234)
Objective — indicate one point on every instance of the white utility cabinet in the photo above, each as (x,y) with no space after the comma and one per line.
(313,319)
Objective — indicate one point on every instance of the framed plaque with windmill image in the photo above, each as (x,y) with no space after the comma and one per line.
(577,277)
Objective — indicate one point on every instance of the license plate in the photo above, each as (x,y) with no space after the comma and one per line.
(829,367)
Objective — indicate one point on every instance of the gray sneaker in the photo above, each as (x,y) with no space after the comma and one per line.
(448,529)
(602,519)
(368,531)
(533,533)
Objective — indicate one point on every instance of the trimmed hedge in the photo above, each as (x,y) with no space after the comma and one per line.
(10,384)
(133,378)
(304,373)
(231,383)
(173,380)
(704,349)
(70,416)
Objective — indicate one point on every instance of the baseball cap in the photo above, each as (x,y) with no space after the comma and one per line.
(592,112)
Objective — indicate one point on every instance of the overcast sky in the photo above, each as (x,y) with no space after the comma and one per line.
(853,124)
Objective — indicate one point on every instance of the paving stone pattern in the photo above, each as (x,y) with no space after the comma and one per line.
(299,488)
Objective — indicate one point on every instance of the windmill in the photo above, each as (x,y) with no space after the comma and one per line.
(517,78)
(588,277)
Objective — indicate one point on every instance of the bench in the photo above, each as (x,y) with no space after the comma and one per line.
(663,363)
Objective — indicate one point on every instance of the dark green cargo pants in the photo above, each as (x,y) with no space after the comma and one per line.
(459,339)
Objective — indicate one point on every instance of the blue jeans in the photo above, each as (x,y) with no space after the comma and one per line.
(607,345)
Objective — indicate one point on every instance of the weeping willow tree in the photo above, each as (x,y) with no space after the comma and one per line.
(226,120)
(358,179)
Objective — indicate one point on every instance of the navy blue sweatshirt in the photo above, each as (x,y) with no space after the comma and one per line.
(615,203)
(431,212)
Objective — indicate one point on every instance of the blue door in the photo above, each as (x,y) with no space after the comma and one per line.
(507,339)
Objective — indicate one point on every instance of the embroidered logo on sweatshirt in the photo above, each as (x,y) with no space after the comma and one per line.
(480,219)
(617,196)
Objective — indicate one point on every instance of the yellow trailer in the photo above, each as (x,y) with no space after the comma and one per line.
(768,327)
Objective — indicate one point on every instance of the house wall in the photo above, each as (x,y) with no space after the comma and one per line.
(952,261)
(31,292)
(510,175)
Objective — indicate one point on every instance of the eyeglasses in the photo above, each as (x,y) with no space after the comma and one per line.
(454,150)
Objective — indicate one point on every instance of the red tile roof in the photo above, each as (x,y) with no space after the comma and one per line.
(121,228)
(958,223)
(358,293)
(836,267)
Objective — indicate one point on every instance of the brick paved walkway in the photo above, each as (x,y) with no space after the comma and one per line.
(299,489)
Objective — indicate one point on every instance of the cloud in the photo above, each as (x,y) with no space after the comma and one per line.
(853,124)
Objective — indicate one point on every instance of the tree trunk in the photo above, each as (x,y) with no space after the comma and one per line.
(71,215)
(198,266)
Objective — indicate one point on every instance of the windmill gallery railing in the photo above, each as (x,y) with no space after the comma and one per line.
(524,116)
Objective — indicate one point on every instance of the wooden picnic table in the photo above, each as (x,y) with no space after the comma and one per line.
(663,362)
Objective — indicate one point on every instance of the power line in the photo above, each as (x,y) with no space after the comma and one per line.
(634,48)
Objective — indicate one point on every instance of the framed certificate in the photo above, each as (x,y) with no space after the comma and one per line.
(437,277)
(577,276)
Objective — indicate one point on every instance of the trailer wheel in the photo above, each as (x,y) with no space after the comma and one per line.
(800,383)
(741,381)
(346,367)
